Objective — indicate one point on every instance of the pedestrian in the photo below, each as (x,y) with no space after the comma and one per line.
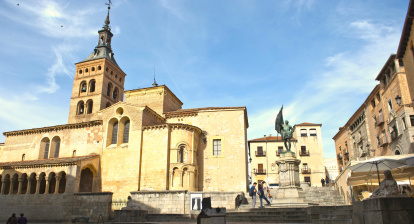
(323,182)
(262,196)
(12,219)
(252,193)
(269,196)
(22,219)
(327,181)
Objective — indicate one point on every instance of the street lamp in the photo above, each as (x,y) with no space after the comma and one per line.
(398,100)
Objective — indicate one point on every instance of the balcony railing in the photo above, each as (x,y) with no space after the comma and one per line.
(304,153)
(394,135)
(257,171)
(383,140)
(306,171)
(380,120)
(260,153)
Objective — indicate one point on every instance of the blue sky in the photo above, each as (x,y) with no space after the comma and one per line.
(317,58)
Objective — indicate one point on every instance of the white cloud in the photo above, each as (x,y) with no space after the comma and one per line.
(334,91)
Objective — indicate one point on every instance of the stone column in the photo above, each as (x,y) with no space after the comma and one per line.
(37,184)
(191,180)
(181,178)
(3,184)
(11,186)
(19,191)
(47,185)
(57,184)
(29,185)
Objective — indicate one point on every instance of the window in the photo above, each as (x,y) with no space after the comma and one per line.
(373,103)
(93,69)
(112,72)
(74,153)
(109,89)
(83,87)
(305,166)
(106,69)
(46,154)
(412,120)
(303,150)
(378,140)
(80,71)
(126,132)
(307,179)
(89,106)
(259,150)
(312,132)
(280,149)
(114,133)
(92,84)
(397,152)
(389,105)
(86,70)
(115,94)
(375,120)
(81,107)
(57,148)
(404,124)
(303,133)
(23,157)
(181,154)
(260,168)
(99,67)
(216,147)
(120,79)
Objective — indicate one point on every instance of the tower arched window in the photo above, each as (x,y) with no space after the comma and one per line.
(92,85)
(114,133)
(81,108)
(181,154)
(93,69)
(102,39)
(99,67)
(89,106)
(115,94)
(109,89)
(126,132)
(80,71)
(83,87)
(86,70)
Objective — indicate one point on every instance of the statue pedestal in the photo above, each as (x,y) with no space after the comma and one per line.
(289,183)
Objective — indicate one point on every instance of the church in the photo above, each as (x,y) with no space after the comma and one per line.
(120,141)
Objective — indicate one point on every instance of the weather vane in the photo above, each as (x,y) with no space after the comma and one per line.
(109,4)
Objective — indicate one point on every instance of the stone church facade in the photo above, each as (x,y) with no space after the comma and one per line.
(145,142)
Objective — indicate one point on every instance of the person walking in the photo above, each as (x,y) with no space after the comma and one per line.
(22,219)
(327,181)
(12,219)
(253,194)
(323,182)
(262,196)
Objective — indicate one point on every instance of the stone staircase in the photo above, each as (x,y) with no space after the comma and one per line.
(324,196)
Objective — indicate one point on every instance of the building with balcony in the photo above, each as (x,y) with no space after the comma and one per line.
(307,145)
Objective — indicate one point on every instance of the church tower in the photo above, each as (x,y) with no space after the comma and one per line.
(99,81)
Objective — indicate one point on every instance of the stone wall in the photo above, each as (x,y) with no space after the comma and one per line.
(178,202)
(92,205)
(56,208)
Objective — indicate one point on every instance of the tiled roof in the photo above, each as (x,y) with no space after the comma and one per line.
(46,162)
(53,128)
(269,139)
(195,110)
(307,124)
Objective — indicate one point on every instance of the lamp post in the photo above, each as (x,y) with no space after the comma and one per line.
(398,100)
(267,163)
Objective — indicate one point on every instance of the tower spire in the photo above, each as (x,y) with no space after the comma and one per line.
(155,83)
(107,21)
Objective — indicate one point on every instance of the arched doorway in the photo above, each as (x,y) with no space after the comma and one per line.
(86,180)
(52,183)
(62,183)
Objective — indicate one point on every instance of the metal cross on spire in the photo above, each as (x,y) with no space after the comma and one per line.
(107,22)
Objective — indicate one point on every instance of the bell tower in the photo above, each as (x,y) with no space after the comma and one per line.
(98,82)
